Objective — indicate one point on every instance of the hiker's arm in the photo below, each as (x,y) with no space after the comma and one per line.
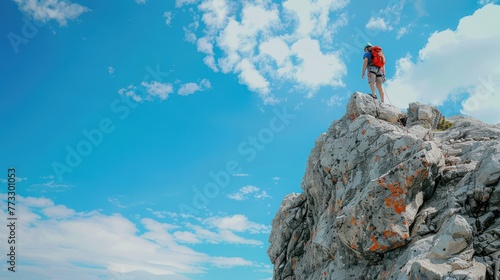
(365,64)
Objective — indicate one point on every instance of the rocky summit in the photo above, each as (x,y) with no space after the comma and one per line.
(393,195)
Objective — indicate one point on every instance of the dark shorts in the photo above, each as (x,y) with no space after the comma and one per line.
(375,75)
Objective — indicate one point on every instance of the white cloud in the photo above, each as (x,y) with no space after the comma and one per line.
(92,243)
(45,10)
(246,192)
(378,23)
(131,92)
(250,76)
(150,90)
(158,89)
(452,62)
(168,17)
(238,223)
(267,44)
(111,70)
(230,262)
(215,12)
(196,234)
(277,49)
(58,211)
(187,237)
(241,175)
(315,68)
(313,16)
(261,195)
(140,2)
(190,88)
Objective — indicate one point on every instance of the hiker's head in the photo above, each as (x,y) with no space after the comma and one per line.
(368,46)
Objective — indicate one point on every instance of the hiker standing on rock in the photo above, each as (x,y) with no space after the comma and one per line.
(374,61)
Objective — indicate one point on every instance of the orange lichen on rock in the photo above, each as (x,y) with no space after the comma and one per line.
(395,200)
(363,132)
(409,180)
(389,233)
(380,183)
(376,158)
(376,245)
(353,221)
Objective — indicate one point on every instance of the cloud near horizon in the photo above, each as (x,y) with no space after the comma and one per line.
(92,243)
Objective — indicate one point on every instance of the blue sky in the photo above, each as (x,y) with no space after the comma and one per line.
(156,139)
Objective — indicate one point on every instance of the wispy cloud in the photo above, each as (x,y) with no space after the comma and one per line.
(276,179)
(402,31)
(435,76)
(45,10)
(486,2)
(168,17)
(388,18)
(335,100)
(180,3)
(50,186)
(111,70)
(117,200)
(190,88)
(150,91)
(140,2)
(247,192)
(18,179)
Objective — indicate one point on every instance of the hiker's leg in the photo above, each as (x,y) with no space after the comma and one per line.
(371,81)
(372,87)
(380,90)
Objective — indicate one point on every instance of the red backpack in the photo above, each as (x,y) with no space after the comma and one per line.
(378,58)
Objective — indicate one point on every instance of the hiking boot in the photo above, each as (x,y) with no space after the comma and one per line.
(374,96)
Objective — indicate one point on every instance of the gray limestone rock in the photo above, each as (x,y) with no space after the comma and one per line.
(384,201)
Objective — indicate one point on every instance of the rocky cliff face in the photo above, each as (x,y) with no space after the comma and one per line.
(385,201)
